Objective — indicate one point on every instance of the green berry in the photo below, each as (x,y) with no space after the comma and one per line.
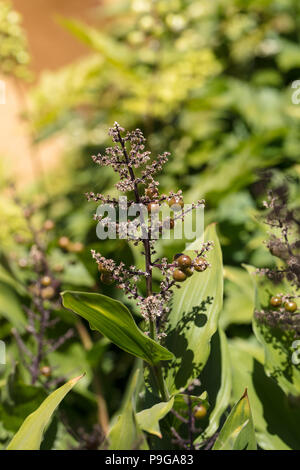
(46,281)
(200,412)
(46,371)
(276,301)
(290,306)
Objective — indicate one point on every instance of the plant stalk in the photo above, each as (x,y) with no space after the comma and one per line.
(157,369)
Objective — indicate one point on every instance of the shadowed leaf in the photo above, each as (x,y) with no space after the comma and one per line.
(113,320)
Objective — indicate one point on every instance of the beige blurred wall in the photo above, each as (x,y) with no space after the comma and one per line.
(51,48)
(50,45)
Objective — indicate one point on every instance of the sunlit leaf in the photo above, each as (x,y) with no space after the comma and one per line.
(30,434)
(276,419)
(111,318)
(216,381)
(194,317)
(125,433)
(277,338)
(148,420)
(238,430)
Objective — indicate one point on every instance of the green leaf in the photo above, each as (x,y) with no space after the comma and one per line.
(277,340)
(114,52)
(238,430)
(7,278)
(238,305)
(10,307)
(18,400)
(30,434)
(276,418)
(148,420)
(113,319)
(194,317)
(216,380)
(125,433)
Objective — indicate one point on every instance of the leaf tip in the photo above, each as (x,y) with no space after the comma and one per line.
(76,379)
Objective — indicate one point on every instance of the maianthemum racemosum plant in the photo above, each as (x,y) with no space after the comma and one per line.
(40,282)
(42,288)
(181,354)
(154,306)
(283,244)
(131,161)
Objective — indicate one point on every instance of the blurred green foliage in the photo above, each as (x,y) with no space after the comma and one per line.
(209,81)
(14,53)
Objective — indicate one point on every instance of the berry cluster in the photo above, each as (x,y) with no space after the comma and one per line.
(185,266)
(72,247)
(283,243)
(129,158)
(43,290)
(289,304)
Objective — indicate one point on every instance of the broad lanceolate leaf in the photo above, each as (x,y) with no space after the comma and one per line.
(194,317)
(115,53)
(125,433)
(238,430)
(276,419)
(10,307)
(216,381)
(277,337)
(113,319)
(238,305)
(148,420)
(18,400)
(30,434)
